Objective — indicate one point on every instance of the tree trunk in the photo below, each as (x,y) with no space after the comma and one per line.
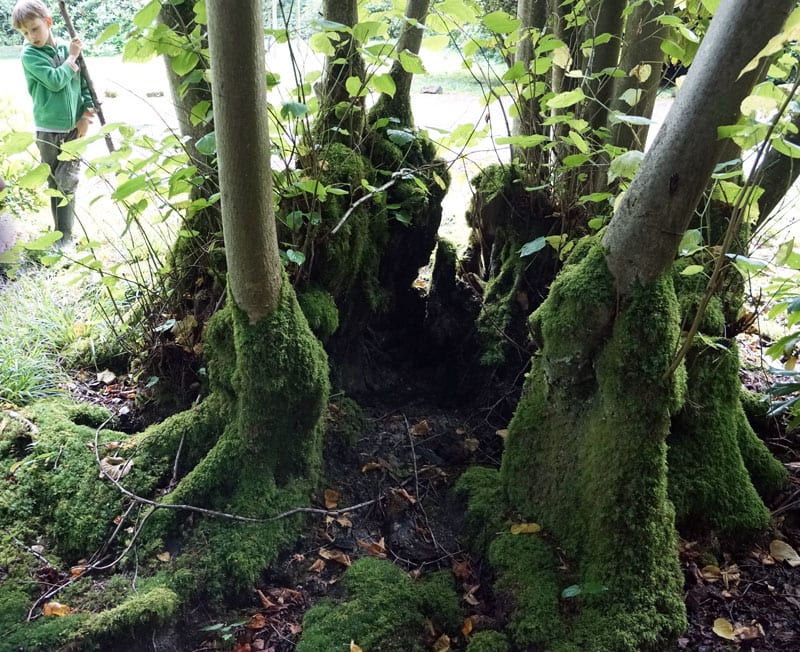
(341,117)
(643,237)
(410,40)
(533,14)
(641,62)
(239,89)
(268,373)
(586,453)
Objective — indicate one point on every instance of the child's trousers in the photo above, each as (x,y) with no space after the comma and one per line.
(64,176)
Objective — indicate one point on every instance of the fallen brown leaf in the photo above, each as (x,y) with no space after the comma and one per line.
(265,601)
(442,644)
(525,528)
(373,548)
(711,573)
(317,567)
(354,647)
(335,555)
(164,556)
(503,433)
(724,629)
(332,498)
(344,521)
(77,571)
(402,492)
(421,429)
(257,621)
(115,468)
(56,609)
(782,551)
(466,628)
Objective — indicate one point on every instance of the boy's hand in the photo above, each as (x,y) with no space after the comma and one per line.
(75,47)
(83,122)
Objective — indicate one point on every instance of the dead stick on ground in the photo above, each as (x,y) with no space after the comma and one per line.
(62,7)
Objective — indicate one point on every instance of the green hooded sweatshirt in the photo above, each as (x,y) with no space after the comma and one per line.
(60,95)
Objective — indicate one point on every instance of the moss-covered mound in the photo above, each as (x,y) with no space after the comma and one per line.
(504,216)
(586,456)
(386,610)
(251,449)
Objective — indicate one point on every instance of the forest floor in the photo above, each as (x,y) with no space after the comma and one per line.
(415,443)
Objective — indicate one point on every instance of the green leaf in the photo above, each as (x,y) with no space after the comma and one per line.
(294,220)
(201,112)
(200,12)
(35,177)
(501,22)
(294,109)
(320,43)
(109,32)
(411,63)
(16,142)
(522,141)
(574,160)
(786,147)
(147,14)
(368,29)
(207,145)
(436,43)
(399,136)
(691,270)
(297,257)
(383,83)
(616,116)
(692,241)
(355,87)
(746,264)
(673,50)
(571,591)
(632,96)
(568,98)
(129,187)
(43,243)
(625,166)
(185,62)
(461,12)
(533,246)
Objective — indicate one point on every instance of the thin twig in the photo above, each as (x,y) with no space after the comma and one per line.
(403,172)
(25,547)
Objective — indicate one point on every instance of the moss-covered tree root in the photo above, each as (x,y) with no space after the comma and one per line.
(586,455)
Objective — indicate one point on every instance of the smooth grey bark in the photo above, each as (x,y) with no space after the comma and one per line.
(641,46)
(643,236)
(240,114)
(410,40)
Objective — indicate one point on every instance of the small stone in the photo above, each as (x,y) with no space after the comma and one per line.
(434,89)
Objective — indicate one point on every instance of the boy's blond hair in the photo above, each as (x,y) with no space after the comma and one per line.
(26,10)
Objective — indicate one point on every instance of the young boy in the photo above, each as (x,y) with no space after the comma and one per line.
(62,103)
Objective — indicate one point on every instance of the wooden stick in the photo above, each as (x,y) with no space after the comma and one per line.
(62,7)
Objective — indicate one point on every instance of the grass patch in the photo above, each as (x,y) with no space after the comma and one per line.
(49,324)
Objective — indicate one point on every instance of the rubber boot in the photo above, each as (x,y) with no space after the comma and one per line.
(65,218)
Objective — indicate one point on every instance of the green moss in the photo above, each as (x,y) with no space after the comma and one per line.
(527,579)
(716,461)
(346,420)
(58,492)
(141,612)
(586,454)
(385,611)
(320,310)
(439,601)
(487,505)
(489,641)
